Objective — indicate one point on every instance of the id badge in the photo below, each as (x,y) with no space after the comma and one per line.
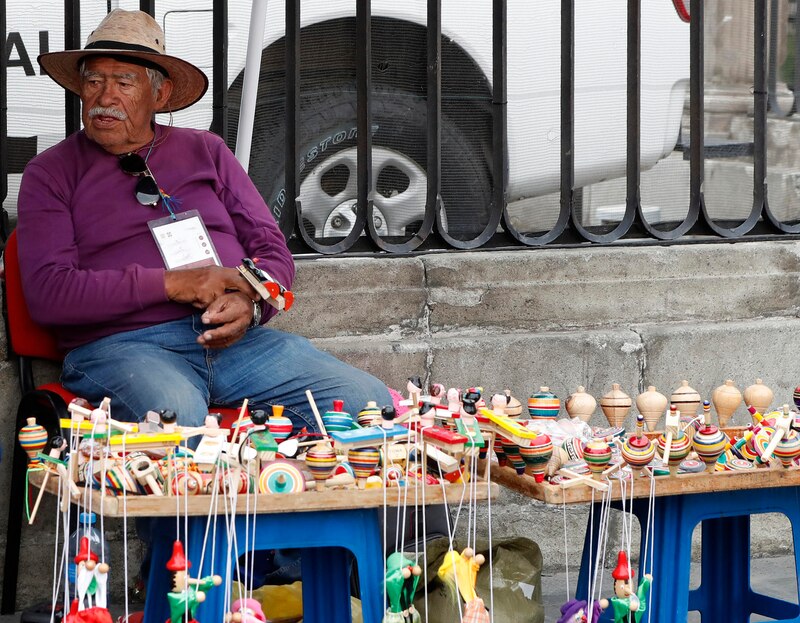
(183,241)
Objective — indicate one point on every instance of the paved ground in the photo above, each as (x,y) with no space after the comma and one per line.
(773,576)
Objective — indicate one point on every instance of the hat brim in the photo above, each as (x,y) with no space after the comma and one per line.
(189,82)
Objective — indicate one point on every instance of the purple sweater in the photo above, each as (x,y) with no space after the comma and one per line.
(90,266)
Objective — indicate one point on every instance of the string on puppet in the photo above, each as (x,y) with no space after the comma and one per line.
(602,541)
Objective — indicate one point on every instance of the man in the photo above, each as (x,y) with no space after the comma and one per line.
(129,233)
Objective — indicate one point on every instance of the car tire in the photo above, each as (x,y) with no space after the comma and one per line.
(327,161)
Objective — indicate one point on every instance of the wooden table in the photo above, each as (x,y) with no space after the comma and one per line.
(330,527)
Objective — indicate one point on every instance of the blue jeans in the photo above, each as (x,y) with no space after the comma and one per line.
(163,367)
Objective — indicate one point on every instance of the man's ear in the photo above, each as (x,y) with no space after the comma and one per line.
(164,93)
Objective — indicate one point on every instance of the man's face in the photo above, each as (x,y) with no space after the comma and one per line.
(118,104)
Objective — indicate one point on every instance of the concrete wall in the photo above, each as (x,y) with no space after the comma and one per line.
(637,316)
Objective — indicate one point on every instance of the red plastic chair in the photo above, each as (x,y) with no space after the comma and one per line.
(27,342)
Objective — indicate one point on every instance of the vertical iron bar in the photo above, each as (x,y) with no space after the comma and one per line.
(3,128)
(219,119)
(363,96)
(148,6)
(72,41)
(499,105)
(289,208)
(633,199)
(568,107)
(696,107)
(760,106)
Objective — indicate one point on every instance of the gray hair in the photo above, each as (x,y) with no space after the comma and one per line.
(155,77)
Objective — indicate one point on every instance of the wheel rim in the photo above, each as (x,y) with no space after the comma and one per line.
(329,194)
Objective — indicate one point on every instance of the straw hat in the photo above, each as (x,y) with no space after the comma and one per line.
(134,36)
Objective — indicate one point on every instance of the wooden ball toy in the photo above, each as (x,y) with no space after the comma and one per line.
(616,405)
(279,425)
(685,399)
(580,404)
(652,405)
(726,399)
(513,456)
(597,454)
(758,395)
(536,456)
(544,405)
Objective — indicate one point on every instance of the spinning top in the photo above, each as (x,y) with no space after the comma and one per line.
(580,405)
(536,456)
(638,450)
(759,396)
(364,461)
(651,405)
(281,477)
(597,454)
(370,415)
(685,399)
(709,442)
(544,405)
(320,460)
(337,420)
(788,449)
(279,425)
(33,438)
(615,405)
(726,399)
(678,449)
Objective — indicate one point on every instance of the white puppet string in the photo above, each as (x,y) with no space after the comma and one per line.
(602,538)
(57,573)
(489,445)
(250,588)
(649,538)
(451,531)
(125,529)
(566,544)
(422,478)
(385,510)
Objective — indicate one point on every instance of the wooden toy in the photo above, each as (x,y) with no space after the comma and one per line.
(186,593)
(364,461)
(629,605)
(281,477)
(454,400)
(616,405)
(673,444)
(759,396)
(267,287)
(33,438)
(337,419)
(782,426)
(53,463)
(513,408)
(91,578)
(320,460)
(638,449)
(459,573)
(145,471)
(580,404)
(279,425)
(796,397)
(685,399)
(652,405)
(726,399)
(402,577)
(369,415)
(709,441)
(246,611)
(597,454)
(536,456)
(788,448)
(544,405)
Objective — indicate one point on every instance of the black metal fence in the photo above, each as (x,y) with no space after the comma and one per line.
(360,147)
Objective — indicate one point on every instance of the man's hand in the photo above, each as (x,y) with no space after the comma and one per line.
(231,313)
(202,286)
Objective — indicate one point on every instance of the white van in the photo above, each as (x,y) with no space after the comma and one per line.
(327,114)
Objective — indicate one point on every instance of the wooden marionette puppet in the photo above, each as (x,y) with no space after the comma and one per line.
(246,611)
(576,611)
(91,578)
(209,449)
(629,606)
(437,393)
(459,572)
(402,578)
(260,439)
(453,401)
(187,593)
(427,414)
(53,463)
(414,388)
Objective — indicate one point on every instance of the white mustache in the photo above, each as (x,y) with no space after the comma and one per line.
(107,112)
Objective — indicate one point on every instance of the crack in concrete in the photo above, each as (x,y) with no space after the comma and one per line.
(425,323)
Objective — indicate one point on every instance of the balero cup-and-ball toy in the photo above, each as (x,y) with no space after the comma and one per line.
(673,444)
(597,454)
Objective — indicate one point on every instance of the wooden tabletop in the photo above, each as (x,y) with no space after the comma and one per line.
(333,499)
(681,484)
